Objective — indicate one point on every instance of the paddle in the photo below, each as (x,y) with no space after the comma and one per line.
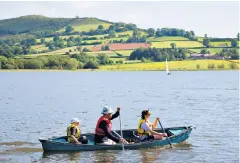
(165,133)
(121,129)
(125,141)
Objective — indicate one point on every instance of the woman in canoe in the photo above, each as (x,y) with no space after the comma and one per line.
(145,128)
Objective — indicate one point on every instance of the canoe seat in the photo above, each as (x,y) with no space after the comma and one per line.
(136,136)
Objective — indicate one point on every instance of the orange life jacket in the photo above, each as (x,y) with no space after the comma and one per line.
(100,131)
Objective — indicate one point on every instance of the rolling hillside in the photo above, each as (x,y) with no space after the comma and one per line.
(38,23)
(31,23)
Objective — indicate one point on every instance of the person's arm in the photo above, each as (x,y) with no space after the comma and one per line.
(75,140)
(73,132)
(155,123)
(146,127)
(157,133)
(116,114)
(103,125)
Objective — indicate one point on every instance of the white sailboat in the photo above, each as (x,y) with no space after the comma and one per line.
(167,70)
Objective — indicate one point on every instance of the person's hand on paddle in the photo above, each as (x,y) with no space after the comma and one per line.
(164,134)
(118,108)
(157,118)
(121,140)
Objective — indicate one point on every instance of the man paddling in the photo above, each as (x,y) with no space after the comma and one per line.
(103,131)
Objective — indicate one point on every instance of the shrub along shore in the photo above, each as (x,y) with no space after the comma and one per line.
(74,65)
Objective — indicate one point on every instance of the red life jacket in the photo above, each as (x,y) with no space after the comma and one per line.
(100,131)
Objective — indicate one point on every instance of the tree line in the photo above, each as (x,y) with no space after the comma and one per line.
(171,32)
(74,61)
(231,53)
(15,50)
(154,54)
(234,42)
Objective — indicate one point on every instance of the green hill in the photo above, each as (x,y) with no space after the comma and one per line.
(38,23)
(31,23)
(86,24)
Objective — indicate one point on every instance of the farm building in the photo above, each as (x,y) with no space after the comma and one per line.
(204,56)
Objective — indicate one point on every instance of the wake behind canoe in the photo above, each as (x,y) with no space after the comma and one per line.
(178,135)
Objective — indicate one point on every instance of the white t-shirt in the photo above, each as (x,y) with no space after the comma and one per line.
(145,126)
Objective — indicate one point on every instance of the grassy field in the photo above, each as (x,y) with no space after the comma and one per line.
(63,51)
(105,41)
(200,39)
(63,37)
(125,33)
(168,38)
(36,55)
(235,61)
(47,39)
(212,50)
(220,43)
(87,27)
(56,52)
(173,65)
(109,53)
(182,44)
(39,47)
(125,53)
(118,59)
(130,33)
(102,36)
(99,37)
(87,24)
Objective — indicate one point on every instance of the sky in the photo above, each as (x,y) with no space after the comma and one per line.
(216,19)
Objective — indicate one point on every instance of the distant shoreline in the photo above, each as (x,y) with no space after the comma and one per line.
(102,70)
(185,65)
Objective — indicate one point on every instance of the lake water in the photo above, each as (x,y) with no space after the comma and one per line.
(41,104)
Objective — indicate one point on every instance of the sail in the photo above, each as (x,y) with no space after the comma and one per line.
(167,66)
(167,70)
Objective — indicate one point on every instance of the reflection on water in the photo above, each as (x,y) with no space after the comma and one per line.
(21,150)
(16,143)
(108,156)
(183,145)
(96,156)
(18,147)
(60,156)
(142,155)
(150,155)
